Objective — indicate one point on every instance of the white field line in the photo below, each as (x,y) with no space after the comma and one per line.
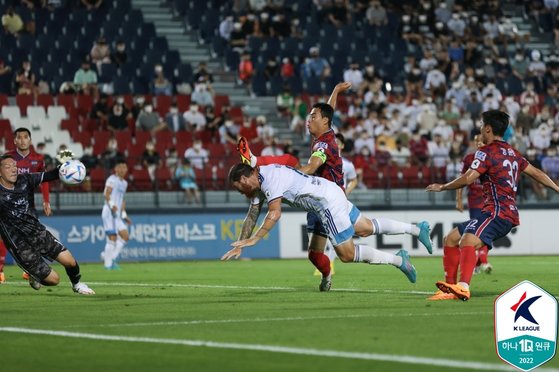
(265,320)
(241,287)
(406,359)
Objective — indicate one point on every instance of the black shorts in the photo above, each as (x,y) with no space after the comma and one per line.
(28,252)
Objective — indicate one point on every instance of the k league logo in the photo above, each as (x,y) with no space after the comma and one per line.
(526,326)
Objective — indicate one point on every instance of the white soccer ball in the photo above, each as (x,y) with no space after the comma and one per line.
(72,172)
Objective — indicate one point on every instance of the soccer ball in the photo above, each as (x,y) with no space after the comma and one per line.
(72,172)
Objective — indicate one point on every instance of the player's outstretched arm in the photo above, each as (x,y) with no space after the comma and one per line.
(541,177)
(459,201)
(316,160)
(339,88)
(464,180)
(272,217)
(246,230)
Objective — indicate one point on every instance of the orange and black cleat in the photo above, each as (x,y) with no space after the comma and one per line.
(244,150)
(456,289)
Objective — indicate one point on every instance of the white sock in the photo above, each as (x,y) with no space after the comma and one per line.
(109,253)
(331,252)
(120,243)
(464,285)
(373,256)
(392,227)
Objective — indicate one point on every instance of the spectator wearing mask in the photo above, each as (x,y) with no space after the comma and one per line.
(160,85)
(229,132)
(187,181)
(111,156)
(149,120)
(174,120)
(120,56)
(197,155)
(202,96)
(100,53)
(119,115)
(151,160)
(194,119)
(85,79)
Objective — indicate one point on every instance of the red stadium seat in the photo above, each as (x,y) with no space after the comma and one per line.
(140,180)
(5,127)
(236,114)
(24,100)
(163,103)
(3,101)
(124,139)
(69,124)
(85,104)
(165,180)
(183,138)
(142,137)
(82,137)
(67,100)
(45,100)
(183,102)
(165,136)
(98,177)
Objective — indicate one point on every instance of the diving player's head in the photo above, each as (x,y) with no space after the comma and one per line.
(494,124)
(241,177)
(8,170)
(22,139)
(320,118)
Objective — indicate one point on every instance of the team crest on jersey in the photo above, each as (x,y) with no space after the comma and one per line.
(320,146)
(480,155)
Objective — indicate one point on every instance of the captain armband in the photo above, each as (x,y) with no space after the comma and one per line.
(320,154)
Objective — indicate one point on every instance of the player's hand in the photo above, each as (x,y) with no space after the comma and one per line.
(342,87)
(233,253)
(245,242)
(435,187)
(46,208)
(128,221)
(64,155)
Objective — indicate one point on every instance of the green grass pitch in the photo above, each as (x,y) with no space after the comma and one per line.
(260,315)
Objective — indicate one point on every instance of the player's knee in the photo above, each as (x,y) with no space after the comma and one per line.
(52,279)
(344,255)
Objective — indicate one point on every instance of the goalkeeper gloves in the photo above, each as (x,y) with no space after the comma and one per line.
(64,155)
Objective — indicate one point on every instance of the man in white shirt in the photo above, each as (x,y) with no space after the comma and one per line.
(277,183)
(197,155)
(194,118)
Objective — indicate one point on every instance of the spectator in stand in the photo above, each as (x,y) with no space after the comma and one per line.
(89,159)
(229,132)
(100,110)
(273,149)
(194,119)
(315,65)
(111,156)
(435,82)
(285,101)
(525,121)
(187,181)
(280,26)
(530,97)
(119,115)
(202,95)
(238,38)
(85,79)
(354,75)
(536,70)
(438,150)
(550,164)
(299,112)
(442,13)
(41,148)
(414,80)
(528,182)
(457,25)
(137,106)
(246,71)
(160,85)
(172,160)
(149,120)
(197,155)
(12,22)
(474,106)
(151,160)
(213,121)
(363,161)
(25,80)
(100,52)
(339,14)
(459,93)
(174,120)
(120,56)
(287,69)
(364,140)
(419,149)
(265,131)
(5,78)
(271,69)
(444,130)
(248,130)
(427,62)
(519,65)
(226,27)
(541,137)
(400,155)
(203,75)
(376,14)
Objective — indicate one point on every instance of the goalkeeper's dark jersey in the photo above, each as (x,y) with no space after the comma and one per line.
(17,219)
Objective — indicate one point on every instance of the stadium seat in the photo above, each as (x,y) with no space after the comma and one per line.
(183,102)
(140,180)
(3,100)
(5,126)
(97,177)
(23,101)
(57,113)
(183,138)
(68,102)
(85,104)
(163,104)
(142,137)
(165,179)
(36,114)
(124,139)
(12,113)
(45,100)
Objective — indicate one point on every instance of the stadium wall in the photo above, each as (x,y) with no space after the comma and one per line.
(197,236)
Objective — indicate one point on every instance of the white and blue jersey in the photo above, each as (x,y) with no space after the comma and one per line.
(349,171)
(312,194)
(112,222)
